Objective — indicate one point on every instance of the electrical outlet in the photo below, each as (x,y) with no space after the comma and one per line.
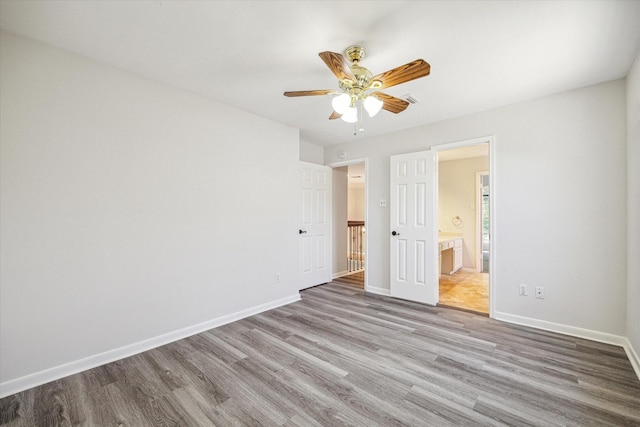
(523,290)
(277,277)
(539,292)
(383,203)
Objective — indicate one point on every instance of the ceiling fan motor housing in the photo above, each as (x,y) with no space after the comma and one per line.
(361,83)
(362,75)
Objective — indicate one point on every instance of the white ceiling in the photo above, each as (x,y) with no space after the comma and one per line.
(483,54)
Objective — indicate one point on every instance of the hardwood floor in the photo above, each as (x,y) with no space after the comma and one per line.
(354,279)
(344,357)
(468,291)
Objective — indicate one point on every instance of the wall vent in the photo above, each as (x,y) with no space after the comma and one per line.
(410,99)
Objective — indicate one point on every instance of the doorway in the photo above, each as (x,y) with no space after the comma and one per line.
(350,224)
(356,226)
(464,225)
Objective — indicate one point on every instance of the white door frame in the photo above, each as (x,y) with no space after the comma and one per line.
(364,160)
(491,140)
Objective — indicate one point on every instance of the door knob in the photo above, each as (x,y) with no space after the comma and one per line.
(394,233)
(302,231)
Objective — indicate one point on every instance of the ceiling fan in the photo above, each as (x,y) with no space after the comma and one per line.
(361,88)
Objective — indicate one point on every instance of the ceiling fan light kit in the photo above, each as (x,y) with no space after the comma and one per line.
(350,115)
(340,103)
(359,87)
(373,105)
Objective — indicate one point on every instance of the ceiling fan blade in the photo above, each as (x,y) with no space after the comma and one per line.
(402,74)
(338,65)
(309,92)
(391,103)
(334,116)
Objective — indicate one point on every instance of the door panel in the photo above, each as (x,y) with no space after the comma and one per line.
(414,261)
(307,204)
(402,205)
(420,208)
(321,206)
(420,262)
(315,226)
(321,247)
(401,260)
(306,243)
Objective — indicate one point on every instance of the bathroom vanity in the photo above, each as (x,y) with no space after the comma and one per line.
(450,246)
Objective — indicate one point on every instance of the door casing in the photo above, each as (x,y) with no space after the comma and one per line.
(364,160)
(491,141)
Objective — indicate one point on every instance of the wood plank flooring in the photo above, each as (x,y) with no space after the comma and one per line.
(467,291)
(344,357)
(354,279)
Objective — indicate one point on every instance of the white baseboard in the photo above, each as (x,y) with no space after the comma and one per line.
(345,273)
(562,329)
(38,378)
(576,332)
(633,356)
(376,290)
(340,274)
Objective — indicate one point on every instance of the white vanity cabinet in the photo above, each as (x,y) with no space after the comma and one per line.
(457,254)
(450,254)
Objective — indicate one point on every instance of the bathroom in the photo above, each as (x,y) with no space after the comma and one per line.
(463,225)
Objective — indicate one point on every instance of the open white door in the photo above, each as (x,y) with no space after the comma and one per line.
(315,225)
(414,260)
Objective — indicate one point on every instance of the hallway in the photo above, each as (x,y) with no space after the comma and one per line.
(355,279)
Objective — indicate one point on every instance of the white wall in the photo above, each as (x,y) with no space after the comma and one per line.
(356,203)
(633,213)
(569,149)
(130,210)
(311,153)
(457,197)
(339,220)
